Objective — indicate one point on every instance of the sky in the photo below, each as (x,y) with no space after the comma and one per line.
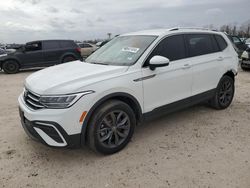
(27,20)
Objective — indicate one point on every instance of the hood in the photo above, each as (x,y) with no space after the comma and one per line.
(70,77)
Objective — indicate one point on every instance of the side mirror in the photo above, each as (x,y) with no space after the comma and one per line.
(158,61)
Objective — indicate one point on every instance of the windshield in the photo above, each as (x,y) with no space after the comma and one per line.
(248,41)
(121,51)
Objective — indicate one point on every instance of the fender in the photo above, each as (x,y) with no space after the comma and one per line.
(6,58)
(101,101)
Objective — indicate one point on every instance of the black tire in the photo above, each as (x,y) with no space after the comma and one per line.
(244,68)
(68,59)
(111,127)
(11,67)
(224,93)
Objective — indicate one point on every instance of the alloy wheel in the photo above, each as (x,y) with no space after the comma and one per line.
(113,129)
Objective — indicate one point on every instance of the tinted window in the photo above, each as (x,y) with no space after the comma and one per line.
(221,42)
(49,45)
(172,47)
(200,44)
(236,40)
(215,44)
(87,46)
(34,46)
(81,45)
(67,44)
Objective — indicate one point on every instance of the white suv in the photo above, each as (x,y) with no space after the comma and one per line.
(99,102)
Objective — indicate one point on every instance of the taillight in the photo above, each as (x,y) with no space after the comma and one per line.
(78,50)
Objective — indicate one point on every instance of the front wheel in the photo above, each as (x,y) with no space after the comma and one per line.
(10,67)
(111,127)
(224,93)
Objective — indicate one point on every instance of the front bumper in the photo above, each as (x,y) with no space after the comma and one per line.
(49,133)
(53,127)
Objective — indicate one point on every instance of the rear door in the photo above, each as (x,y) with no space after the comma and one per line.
(206,60)
(32,56)
(52,52)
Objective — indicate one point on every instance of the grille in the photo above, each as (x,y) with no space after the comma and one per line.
(32,100)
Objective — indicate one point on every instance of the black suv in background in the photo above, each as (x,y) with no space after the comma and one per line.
(40,54)
(239,45)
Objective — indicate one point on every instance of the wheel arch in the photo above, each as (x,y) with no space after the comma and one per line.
(68,54)
(231,74)
(7,59)
(124,97)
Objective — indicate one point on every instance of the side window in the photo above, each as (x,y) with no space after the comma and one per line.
(66,44)
(200,44)
(34,46)
(172,47)
(50,45)
(87,46)
(236,40)
(221,42)
(81,45)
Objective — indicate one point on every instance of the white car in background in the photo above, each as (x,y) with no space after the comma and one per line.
(87,49)
(247,42)
(135,76)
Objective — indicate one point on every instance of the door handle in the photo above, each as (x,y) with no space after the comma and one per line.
(220,59)
(186,66)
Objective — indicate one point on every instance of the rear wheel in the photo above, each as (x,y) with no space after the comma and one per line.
(10,67)
(111,127)
(224,93)
(68,59)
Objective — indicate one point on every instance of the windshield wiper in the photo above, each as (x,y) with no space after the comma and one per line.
(98,63)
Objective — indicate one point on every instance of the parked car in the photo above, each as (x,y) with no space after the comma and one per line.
(13,46)
(87,49)
(240,45)
(102,43)
(247,42)
(245,62)
(40,54)
(135,76)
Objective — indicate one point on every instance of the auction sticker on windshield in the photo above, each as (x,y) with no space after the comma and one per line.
(131,49)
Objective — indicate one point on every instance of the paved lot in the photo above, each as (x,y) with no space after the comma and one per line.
(197,147)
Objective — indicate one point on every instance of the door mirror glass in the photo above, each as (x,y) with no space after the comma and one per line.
(158,61)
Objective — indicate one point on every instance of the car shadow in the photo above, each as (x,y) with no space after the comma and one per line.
(22,71)
(147,129)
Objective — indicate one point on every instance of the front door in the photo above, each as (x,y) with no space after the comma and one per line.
(169,84)
(32,56)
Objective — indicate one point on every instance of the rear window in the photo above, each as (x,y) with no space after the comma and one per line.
(221,42)
(200,44)
(49,45)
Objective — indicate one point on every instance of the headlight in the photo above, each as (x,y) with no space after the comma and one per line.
(62,101)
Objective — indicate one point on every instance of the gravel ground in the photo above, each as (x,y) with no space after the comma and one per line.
(196,147)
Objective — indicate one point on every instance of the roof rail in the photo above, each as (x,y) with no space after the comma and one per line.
(200,28)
